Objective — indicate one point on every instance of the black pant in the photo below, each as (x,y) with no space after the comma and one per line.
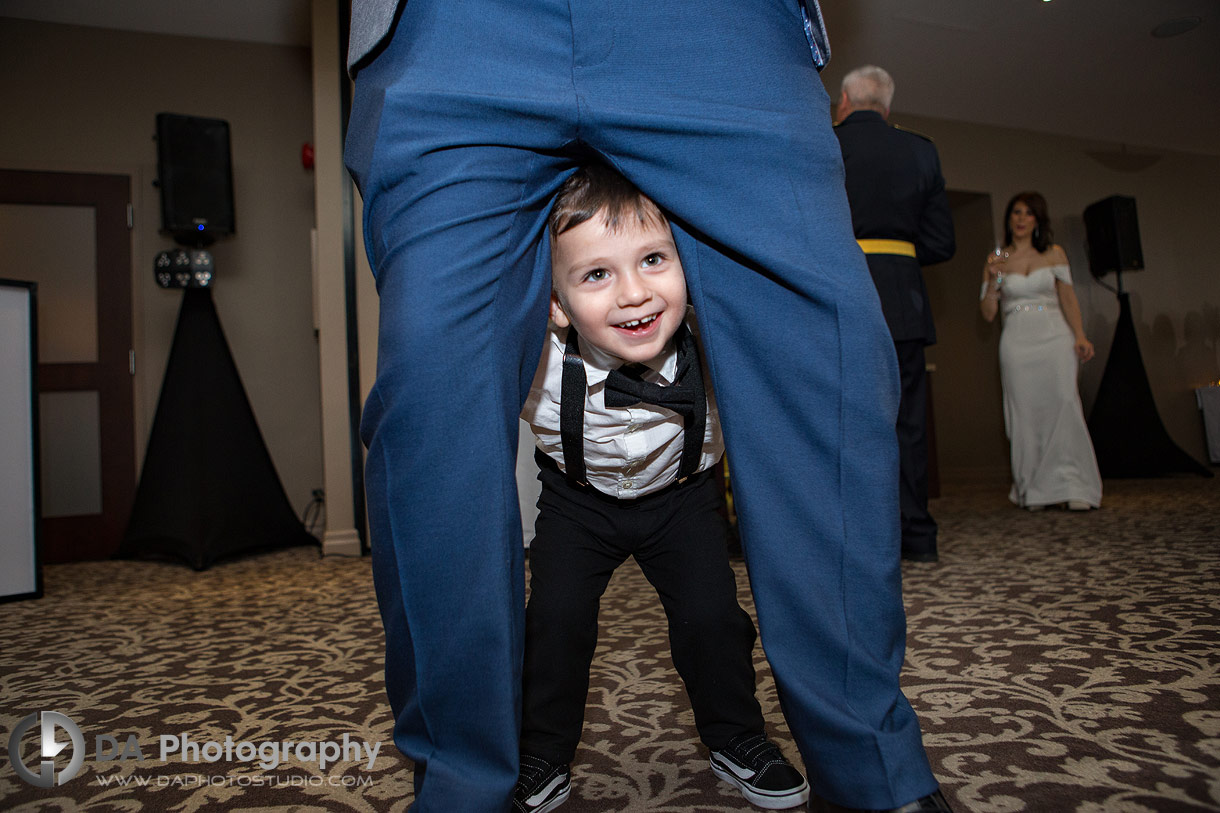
(918,527)
(678,539)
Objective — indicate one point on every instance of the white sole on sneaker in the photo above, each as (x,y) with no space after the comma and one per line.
(557,801)
(775,800)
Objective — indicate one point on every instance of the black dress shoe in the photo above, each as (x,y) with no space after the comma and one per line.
(932,803)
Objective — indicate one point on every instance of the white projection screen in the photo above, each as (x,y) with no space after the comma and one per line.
(20,565)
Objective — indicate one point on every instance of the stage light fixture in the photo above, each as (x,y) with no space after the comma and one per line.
(182,268)
(201,262)
(161,269)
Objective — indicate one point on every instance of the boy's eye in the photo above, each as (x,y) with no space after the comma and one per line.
(597,275)
(654,259)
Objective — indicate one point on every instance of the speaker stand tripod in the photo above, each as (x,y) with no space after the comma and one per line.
(208,489)
(1128,436)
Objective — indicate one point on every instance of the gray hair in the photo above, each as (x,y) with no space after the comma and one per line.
(869,87)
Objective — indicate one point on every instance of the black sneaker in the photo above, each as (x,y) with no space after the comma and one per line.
(755,765)
(542,786)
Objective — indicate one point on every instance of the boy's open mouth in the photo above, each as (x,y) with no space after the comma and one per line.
(634,325)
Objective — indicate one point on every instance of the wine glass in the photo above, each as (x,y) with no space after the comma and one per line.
(999,255)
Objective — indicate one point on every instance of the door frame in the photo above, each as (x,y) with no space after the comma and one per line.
(94,536)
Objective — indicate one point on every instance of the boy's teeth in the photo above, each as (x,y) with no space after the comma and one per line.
(636,322)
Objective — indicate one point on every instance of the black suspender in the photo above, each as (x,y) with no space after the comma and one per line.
(572,390)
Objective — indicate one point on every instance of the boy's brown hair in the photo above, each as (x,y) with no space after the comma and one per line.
(597,188)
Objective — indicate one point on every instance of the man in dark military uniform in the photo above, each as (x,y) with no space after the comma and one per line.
(901,219)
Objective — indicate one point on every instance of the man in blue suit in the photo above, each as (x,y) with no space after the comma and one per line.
(467,116)
(902,221)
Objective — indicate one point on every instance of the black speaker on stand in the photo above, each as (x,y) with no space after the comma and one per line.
(208,488)
(1128,435)
(196,178)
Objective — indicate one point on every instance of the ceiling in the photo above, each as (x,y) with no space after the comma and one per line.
(281,22)
(1084,68)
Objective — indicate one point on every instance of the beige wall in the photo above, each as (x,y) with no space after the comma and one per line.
(85,99)
(82,99)
(1175,300)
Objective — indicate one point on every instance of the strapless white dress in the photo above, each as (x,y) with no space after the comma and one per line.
(1052,454)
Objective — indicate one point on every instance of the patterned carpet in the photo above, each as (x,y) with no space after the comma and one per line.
(1058,661)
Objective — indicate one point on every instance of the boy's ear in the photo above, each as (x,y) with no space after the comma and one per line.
(558,315)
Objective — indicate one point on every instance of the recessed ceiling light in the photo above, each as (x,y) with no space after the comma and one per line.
(1171,28)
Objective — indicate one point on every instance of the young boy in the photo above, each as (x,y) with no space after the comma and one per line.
(624,476)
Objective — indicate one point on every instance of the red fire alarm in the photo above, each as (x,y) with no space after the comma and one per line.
(307,155)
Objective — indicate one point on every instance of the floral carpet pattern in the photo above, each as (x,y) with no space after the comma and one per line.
(1058,662)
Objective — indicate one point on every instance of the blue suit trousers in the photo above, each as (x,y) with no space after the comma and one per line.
(462,129)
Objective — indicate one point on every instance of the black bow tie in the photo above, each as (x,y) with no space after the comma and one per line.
(625,387)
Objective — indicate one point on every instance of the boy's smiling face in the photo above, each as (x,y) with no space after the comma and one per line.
(622,288)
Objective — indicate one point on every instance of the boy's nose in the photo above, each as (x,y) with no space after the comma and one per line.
(632,290)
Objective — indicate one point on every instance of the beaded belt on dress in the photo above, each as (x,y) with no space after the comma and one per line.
(1046,306)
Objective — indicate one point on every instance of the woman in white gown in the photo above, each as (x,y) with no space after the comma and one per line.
(1041,347)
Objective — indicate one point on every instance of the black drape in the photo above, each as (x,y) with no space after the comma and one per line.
(208,488)
(1128,436)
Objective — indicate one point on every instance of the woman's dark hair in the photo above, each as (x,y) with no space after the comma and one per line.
(596,188)
(1043,235)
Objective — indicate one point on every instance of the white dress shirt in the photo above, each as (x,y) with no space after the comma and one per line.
(629,451)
